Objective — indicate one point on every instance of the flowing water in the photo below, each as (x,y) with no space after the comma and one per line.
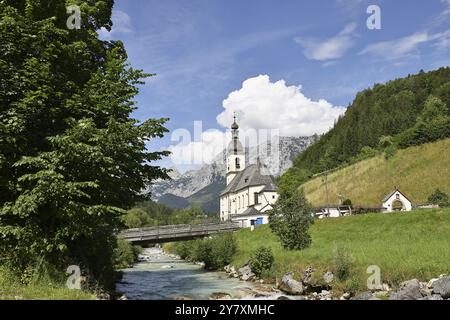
(165,277)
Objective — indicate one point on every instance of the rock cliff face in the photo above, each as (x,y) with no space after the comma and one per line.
(204,185)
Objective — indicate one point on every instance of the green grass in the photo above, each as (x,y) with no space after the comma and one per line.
(416,171)
(404,245)
(12,289)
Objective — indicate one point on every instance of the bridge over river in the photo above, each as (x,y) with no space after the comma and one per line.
(176,232)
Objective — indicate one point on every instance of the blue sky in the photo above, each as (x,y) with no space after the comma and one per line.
(303,61)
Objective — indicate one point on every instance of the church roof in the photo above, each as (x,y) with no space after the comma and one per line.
(250,176)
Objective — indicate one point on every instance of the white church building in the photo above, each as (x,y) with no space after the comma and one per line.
(249,193)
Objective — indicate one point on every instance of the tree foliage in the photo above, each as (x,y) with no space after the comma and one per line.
(261,260)
(412,110)
(290,220)
(439,197)
(72,159)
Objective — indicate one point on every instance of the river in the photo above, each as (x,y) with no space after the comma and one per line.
(163,276)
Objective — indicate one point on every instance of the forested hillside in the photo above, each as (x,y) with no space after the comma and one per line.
(417,171)
(412,110)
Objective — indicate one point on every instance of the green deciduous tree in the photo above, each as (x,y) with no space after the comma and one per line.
(72,159)
(290,220)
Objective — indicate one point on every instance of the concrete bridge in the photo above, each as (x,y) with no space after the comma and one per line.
(176,232)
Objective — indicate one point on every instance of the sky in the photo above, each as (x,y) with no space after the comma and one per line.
(289,66)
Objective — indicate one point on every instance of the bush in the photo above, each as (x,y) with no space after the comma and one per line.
(216,252)
(390,151)
(183,249)
(438,197)
(290,219)
(342,263)
(261,260)
(347,202)
(125,254)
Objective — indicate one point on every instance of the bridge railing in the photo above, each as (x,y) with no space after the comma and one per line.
(185,229)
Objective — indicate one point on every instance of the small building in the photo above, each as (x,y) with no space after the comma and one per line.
(396,201)
(249,193)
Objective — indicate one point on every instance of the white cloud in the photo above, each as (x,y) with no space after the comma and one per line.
(121,24)
(406,47)
(329,49)
(443,15)
(262,107)
(261,104)
(200,151)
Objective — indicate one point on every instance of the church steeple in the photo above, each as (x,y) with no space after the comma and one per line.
(235,152)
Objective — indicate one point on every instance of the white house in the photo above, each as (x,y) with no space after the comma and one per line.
(249,194)
(396,201)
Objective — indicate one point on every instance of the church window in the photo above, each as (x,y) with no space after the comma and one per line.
(256,198)
(238,165)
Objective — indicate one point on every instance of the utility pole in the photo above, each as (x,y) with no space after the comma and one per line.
(326,191)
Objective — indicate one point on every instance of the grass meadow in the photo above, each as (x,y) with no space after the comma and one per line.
(416,171)
(404,245)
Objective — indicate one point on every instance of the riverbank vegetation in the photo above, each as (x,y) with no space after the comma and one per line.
(215,252)
(38,285)
(404,245)
(72,157)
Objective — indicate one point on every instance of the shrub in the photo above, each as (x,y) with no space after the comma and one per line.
(347,202)
(384,142)
(184,249)
(261,260)
(290,219)
(216,252)
(342,263)
(438,197)
(125,254)
(390,151)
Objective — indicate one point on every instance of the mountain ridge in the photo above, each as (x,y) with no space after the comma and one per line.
(202,187)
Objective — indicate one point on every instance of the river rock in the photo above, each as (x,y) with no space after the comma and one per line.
(219,296)
(409,290)
(345,296)
(432,297)
(167,267)
(366,295)
(291,286)
(328,277)
(103,296)
(246,273)
(182,298)
(325,295)
(307,275)
(283,298)
(441,286)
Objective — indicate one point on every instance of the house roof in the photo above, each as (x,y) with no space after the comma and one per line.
(250,176)
(249,212)
(390,194)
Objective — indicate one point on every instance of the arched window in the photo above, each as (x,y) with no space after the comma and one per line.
(238,165)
